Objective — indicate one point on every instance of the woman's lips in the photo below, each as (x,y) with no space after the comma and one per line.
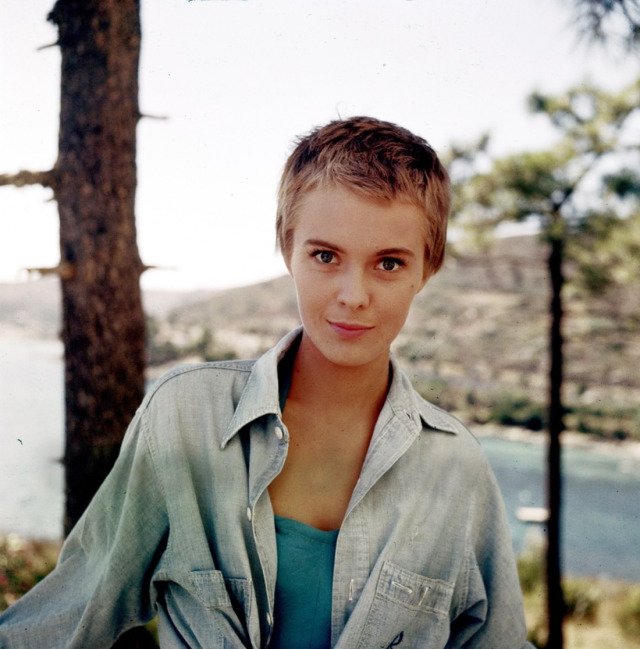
(349,330)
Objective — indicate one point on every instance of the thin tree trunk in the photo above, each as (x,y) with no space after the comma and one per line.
(555,599)
(103,321)
(103,328)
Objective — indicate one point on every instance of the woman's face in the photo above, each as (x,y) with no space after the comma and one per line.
(357,265)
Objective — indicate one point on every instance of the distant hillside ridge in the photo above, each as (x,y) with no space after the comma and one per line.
(476,340)
(33,309)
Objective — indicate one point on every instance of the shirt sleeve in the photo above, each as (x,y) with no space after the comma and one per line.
(494,614)
(101,585)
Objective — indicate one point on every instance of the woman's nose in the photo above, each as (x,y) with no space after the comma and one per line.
(353,290)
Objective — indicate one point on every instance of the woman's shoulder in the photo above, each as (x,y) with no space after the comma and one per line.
(457,439)
(195,380)
(214,370)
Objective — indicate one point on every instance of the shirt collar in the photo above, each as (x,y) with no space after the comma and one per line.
(261,394)
(403,398)
(261,397)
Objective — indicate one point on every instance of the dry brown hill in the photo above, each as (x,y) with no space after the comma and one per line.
(475,341)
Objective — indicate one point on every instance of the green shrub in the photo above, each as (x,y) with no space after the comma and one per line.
(629,614)
(517,410)
(537,635)
(531,570)
(581,600)
(22,565)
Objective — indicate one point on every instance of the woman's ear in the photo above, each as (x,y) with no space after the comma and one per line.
(287,262)
(426,275)
(423,283)
(286,249)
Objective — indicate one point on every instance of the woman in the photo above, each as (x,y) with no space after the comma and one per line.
(312,498)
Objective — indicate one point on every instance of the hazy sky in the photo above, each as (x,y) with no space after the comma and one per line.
(239,80)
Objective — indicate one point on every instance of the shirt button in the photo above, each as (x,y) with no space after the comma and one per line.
(249,513)
(279,433)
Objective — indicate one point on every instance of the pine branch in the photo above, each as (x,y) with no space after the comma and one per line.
(23,178)
(64,270)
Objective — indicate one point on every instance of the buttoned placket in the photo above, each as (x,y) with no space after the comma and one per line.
(398,425)
(391,438)
(260,512)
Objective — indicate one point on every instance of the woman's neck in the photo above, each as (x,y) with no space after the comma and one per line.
(318,380)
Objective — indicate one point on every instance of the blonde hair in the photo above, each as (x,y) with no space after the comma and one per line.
(376,160)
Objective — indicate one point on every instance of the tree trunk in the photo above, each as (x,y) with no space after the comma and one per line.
(103,326)
(95,183)
(555,599)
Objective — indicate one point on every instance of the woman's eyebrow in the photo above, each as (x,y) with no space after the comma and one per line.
(385,252)
(395,251)
(320,243)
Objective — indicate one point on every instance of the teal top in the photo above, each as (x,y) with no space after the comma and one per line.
(302,618)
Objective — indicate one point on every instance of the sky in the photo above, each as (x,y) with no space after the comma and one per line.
(236,82)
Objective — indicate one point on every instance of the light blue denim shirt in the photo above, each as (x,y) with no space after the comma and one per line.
(183,527)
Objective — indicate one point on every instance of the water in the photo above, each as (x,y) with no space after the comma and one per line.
(31,437)
(601,505)
(601,523)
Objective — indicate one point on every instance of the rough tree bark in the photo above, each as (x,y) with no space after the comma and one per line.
(95,184)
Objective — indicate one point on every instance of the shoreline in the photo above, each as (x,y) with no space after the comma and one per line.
(622,449)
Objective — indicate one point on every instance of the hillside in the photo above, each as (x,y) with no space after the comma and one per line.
(475,341)
(32,309)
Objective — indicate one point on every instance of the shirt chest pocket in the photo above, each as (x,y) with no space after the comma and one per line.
(227,603)
(213,590)
(409,611)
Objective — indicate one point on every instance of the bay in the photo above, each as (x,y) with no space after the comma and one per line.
(600,511)
(31,437)
(601,521)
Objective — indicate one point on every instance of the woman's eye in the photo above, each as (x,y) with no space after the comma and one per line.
(390,264)
(324,256)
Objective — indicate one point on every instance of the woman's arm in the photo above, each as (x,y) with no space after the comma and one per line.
(101,585)
(494,614)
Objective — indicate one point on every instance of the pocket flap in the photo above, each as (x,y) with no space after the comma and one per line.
(209,587)
(414,591)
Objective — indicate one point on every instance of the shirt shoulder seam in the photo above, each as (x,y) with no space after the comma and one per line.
(241,367)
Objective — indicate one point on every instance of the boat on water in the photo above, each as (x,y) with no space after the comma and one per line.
(532,514)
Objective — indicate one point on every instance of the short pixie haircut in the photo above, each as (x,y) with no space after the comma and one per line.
(376,160)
